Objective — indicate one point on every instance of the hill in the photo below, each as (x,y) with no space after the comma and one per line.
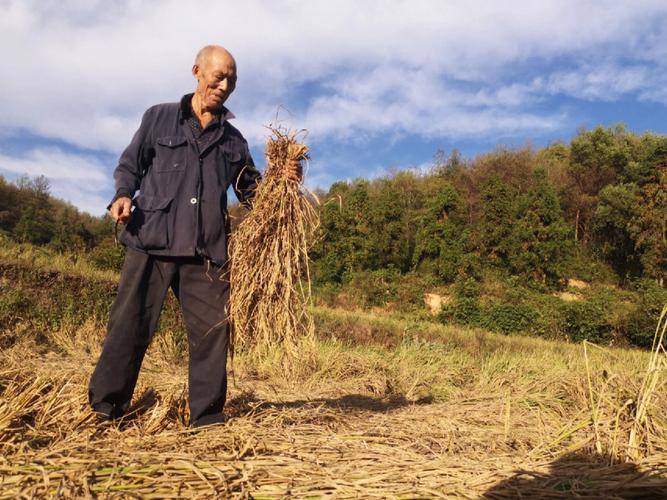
(567,242)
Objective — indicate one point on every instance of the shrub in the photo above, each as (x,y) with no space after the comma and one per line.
(15,305)
(643,320)
(464,310)
(587,320)
(584,266)
(325,293)
(467,287)
(108,256)
(410,289)
(509,318)
(372,288)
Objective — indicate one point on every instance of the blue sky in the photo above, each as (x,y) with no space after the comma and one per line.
(378,84)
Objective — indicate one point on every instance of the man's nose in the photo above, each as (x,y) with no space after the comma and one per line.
(224,85)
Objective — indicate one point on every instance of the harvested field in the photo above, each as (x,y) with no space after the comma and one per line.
(379,407)
(361,431)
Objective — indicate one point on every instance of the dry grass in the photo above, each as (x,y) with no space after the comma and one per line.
(649,424)
(459,418)
(44,258)
(270,285)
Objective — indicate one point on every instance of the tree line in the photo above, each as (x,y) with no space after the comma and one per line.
(531,213)
(501,235)
(29,214)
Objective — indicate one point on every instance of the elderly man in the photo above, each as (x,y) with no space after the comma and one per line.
(182,160)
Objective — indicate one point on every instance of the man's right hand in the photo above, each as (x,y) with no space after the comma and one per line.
(120,209)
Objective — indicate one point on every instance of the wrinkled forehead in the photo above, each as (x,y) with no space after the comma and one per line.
(219,60)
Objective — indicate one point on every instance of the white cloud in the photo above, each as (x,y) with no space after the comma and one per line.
(81,180)
(84,71)
(606,82)
(388,102)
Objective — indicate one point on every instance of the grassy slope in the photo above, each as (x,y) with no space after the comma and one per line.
(45,259)
(376,404)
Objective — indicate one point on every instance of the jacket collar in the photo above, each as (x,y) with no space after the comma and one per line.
(186,110)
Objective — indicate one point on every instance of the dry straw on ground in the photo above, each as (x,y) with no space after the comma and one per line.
(384,408)
(493,436)
(270,281)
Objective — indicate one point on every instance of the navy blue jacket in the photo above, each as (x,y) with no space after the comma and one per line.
(181,207)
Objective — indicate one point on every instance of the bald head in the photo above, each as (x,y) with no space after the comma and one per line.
(215,72)
(213,52)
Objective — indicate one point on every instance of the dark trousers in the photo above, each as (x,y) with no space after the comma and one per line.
(203,294)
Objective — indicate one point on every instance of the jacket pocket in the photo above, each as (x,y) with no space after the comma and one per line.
(150,222)
(170,153)
(233,156)
(231,166)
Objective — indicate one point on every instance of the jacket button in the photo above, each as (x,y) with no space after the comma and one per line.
(193,200)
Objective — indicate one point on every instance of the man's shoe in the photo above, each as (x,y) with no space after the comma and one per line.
(104,412)
(206,420)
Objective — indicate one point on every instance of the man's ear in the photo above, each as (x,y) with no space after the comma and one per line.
(195,71)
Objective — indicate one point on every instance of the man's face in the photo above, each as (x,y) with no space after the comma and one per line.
(216,80)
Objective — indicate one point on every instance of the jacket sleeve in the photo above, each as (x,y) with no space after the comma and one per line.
(247,180)
(134,161)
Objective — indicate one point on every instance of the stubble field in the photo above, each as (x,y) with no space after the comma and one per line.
(376,406)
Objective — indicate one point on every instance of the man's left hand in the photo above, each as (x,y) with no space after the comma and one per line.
(294,171)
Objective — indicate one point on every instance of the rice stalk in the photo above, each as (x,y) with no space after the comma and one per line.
(624,414)
(269,273)
(650,383)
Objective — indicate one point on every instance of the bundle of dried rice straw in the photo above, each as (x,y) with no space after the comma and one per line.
(270,280)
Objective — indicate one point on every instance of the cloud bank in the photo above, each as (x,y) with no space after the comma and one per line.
(82,72)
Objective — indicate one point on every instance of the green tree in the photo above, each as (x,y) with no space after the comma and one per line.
(612,228)
(540,238)
(344,244)
(598,157)
(440,242)
(388,235)
(648,228)
(498,213)
(9,206)
(35,224)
